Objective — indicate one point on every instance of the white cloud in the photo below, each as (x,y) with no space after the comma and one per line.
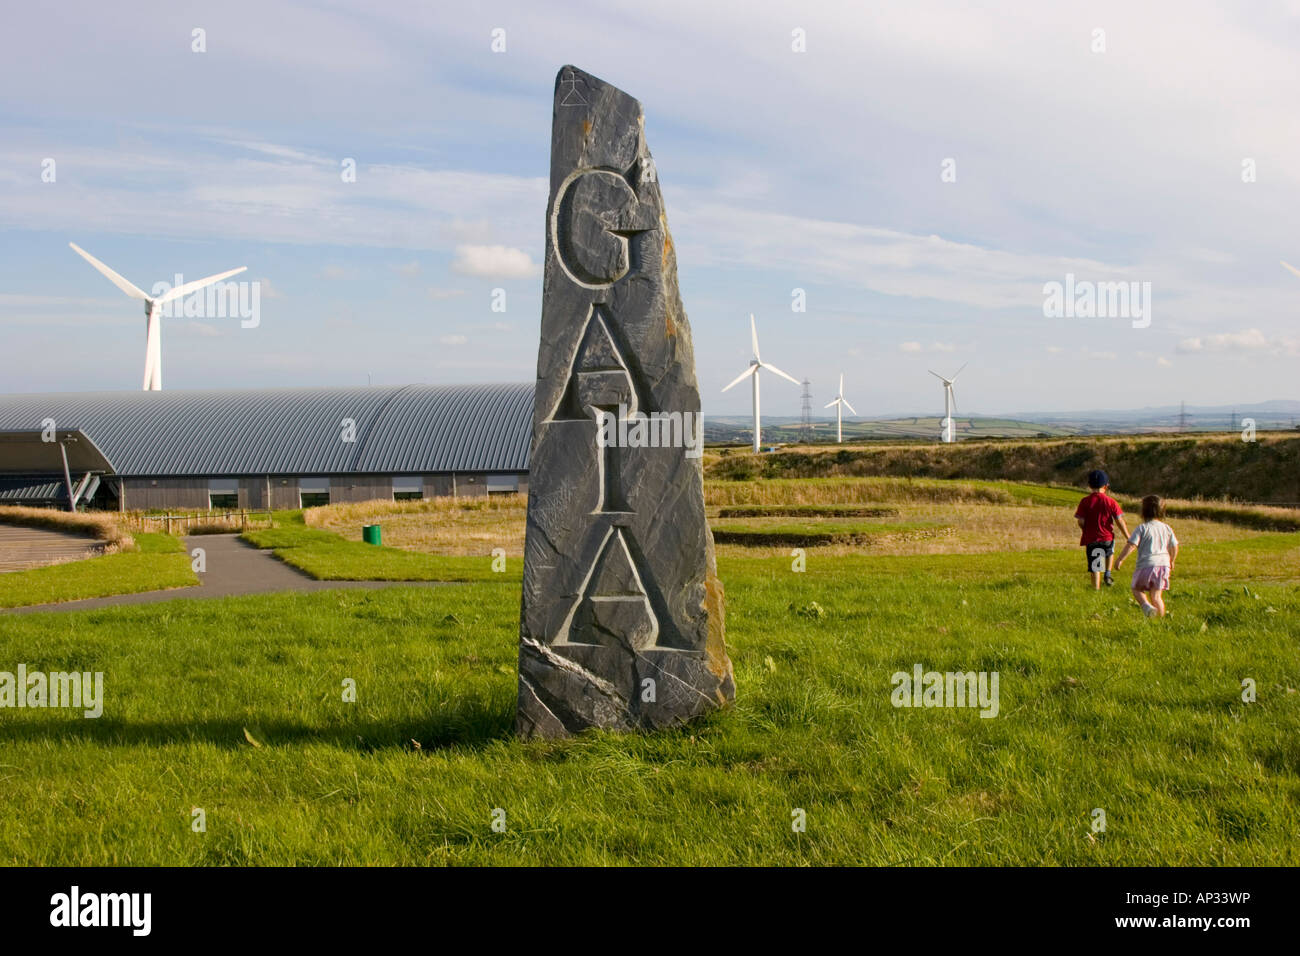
(267,290)
(13,299)
(435,293)
(202,329)
(337,272)
(452,339)
(1249,340)
(932,347)
(1055,349)
(494,262)
(408,269)
(1163,362)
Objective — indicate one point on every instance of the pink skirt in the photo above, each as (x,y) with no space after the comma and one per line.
(1151,579)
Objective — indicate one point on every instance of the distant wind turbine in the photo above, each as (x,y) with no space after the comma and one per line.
(947,434)
(840,403)
(152,309)
(755,364)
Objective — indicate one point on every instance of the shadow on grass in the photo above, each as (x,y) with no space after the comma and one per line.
(470,723)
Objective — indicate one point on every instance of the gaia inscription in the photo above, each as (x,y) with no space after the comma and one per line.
(622,613)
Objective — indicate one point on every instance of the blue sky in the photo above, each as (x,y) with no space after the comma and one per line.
(819,170)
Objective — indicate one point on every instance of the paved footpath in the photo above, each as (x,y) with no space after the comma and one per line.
(234,567)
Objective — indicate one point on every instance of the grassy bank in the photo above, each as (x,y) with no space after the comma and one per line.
(101,525)
(155,562)
(1206,466)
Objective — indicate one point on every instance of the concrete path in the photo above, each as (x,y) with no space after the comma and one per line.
(234,567)
(22,548)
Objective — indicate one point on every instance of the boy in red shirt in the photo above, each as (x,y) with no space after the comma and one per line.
(1097,514)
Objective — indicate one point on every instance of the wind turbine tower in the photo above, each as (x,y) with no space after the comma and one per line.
(840,403)
(948,433)
(755,364)
(152,312)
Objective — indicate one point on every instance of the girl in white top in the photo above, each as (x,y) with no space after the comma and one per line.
(1157,550)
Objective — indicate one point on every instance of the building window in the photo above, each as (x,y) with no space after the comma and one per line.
(408,488)
(502,484)
(313,492)
(223,494)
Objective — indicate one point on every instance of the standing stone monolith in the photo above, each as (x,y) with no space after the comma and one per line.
(622,618)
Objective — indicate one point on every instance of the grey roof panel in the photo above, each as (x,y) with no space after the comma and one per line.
(410,428)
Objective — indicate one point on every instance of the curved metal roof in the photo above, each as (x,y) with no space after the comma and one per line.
(294,431)
(27,452)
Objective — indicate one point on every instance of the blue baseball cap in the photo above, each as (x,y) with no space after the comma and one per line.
(1098,478)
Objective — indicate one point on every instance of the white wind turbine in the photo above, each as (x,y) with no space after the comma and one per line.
(152,311)
(755,364)
(947,434)
(840,403)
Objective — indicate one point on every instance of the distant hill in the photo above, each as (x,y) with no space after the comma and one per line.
(1281,415)
(1266,471)
(778,431)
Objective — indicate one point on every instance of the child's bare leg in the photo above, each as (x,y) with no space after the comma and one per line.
(1096,580)
(1143,603)
(1158,601)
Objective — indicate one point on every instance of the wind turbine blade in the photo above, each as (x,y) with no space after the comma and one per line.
(835,401)
(753,334)
(959,371)
(952,396)
(850,407)
(112,276)
(936,375)
(1287,265)
(841,391)
(742,376)
(196,285)
(773,368)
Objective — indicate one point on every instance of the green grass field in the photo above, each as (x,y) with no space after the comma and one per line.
(158,561)
(326,556)
(1099,708)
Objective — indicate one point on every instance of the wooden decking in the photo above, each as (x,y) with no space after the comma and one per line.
(22,548)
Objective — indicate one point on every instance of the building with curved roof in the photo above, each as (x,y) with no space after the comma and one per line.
(275,447)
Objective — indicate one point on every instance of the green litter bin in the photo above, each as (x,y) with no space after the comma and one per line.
(370,534)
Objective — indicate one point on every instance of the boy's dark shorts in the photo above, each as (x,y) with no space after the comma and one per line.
(1104,549)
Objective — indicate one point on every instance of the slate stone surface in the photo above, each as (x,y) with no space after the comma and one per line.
(622,618)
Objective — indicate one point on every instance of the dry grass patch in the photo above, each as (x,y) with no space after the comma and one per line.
(451,526)
(982,519)
(101,525)
(984,529)
(847,491)
(194,521)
